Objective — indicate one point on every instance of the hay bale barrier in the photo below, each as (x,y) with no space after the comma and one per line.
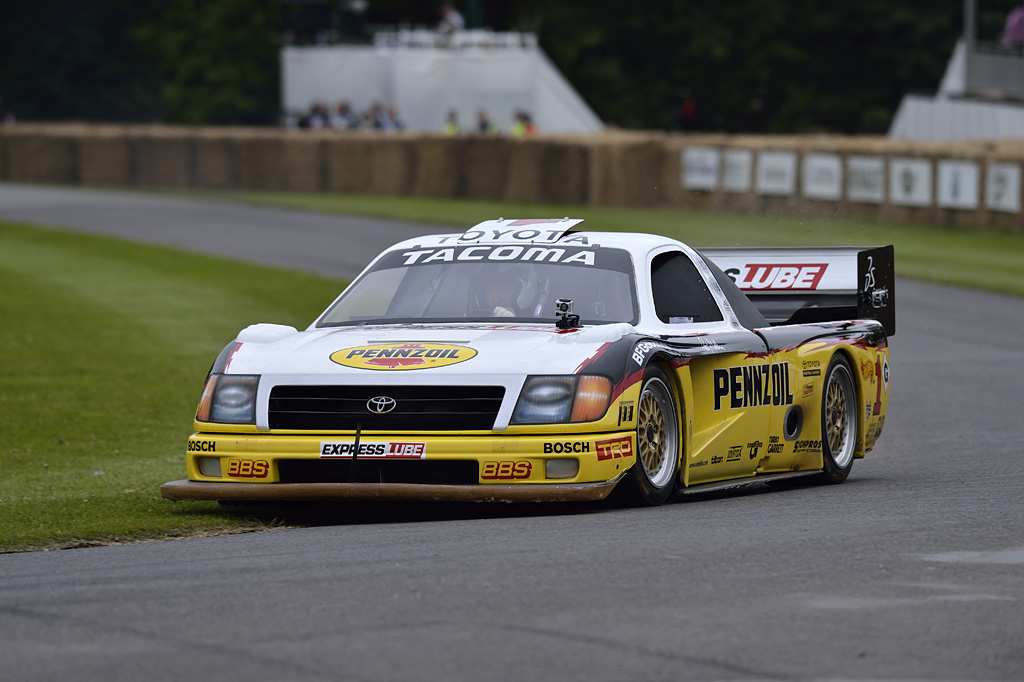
(973,184)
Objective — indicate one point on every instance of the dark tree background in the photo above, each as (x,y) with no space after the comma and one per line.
(736,66)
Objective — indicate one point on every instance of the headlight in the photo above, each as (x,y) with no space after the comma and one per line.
(229,399)
(561,399)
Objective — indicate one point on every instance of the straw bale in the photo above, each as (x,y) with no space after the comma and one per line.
(304,164)
(166,158)
(36,156)
(526,176)
(392,165)
(350,163)
(565,175)
(106,160)
(216,162)
(439,166)
(260,162)
(485,171)
(629,173)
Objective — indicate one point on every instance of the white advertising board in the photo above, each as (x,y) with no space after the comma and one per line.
(865,179)
(1002,187)
(776,173)
(910,182)
(736,172)
(822,176)
(958,184)
(700,168)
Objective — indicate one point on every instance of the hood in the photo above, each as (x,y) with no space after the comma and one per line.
(419,353)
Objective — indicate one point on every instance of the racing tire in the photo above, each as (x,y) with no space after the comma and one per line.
(655,475)
(838,420)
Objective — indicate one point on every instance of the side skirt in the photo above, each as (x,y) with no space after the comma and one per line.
(743,482)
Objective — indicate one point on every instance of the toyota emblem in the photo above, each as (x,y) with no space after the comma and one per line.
(381,404)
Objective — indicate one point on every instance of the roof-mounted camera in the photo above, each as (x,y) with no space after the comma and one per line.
(563,311)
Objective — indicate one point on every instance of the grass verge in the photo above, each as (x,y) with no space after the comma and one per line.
(977,259)
(105,345)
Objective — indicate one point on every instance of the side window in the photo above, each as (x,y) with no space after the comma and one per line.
(680,294)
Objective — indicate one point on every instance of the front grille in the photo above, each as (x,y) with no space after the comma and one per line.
(417,408)
(375,471)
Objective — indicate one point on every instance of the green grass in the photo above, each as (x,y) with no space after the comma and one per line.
(979,259)
(105,345)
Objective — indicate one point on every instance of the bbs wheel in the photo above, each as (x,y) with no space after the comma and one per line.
(653,477)
(838,420)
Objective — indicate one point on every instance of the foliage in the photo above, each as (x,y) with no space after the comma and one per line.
(742,66)
(73,60)
(217,61)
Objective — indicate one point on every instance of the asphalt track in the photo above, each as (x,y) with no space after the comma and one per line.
(912,570)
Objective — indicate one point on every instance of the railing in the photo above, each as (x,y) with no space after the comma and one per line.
(468,39)
(992,71)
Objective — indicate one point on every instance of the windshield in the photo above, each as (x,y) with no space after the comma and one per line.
(481,283)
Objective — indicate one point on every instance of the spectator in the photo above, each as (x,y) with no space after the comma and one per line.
(344,118)
(451,123)
(318,117)
(484,125)
(451,21)
(523,125)
(391,121)
(1013,31)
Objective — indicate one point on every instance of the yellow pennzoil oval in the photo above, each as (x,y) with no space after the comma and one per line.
(402,356)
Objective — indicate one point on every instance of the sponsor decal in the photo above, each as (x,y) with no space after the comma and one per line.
(402,356)
(377,449)
(502,253)
(641,350)
(753,448)
(702,463)
(504,471)
(807,446)
(812,368)
(717,459)
(529,230)
(626,412)
(710,344)
(752,385)
(808,390)
(775,446)
(202,446)
(568,447)
(768,276)
(614,448)
(248,468)
(735,453)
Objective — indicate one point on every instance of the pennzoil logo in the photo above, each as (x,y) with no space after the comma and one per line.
(399,356)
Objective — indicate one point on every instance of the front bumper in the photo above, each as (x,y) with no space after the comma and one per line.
(194,490)
(406,467)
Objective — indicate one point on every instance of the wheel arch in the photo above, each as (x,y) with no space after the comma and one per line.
(849,352)
(677,369)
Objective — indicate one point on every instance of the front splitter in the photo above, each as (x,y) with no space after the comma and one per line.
(200,490)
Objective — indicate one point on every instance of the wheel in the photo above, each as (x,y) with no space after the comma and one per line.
(654,476)
(838,420)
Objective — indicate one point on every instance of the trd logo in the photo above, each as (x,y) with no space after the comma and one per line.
(248,468)
(506,470)
(614,448)
(202,446)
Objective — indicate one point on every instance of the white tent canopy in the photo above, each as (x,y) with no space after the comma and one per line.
(425,82)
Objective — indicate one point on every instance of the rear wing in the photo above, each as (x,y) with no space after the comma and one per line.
(814,284)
